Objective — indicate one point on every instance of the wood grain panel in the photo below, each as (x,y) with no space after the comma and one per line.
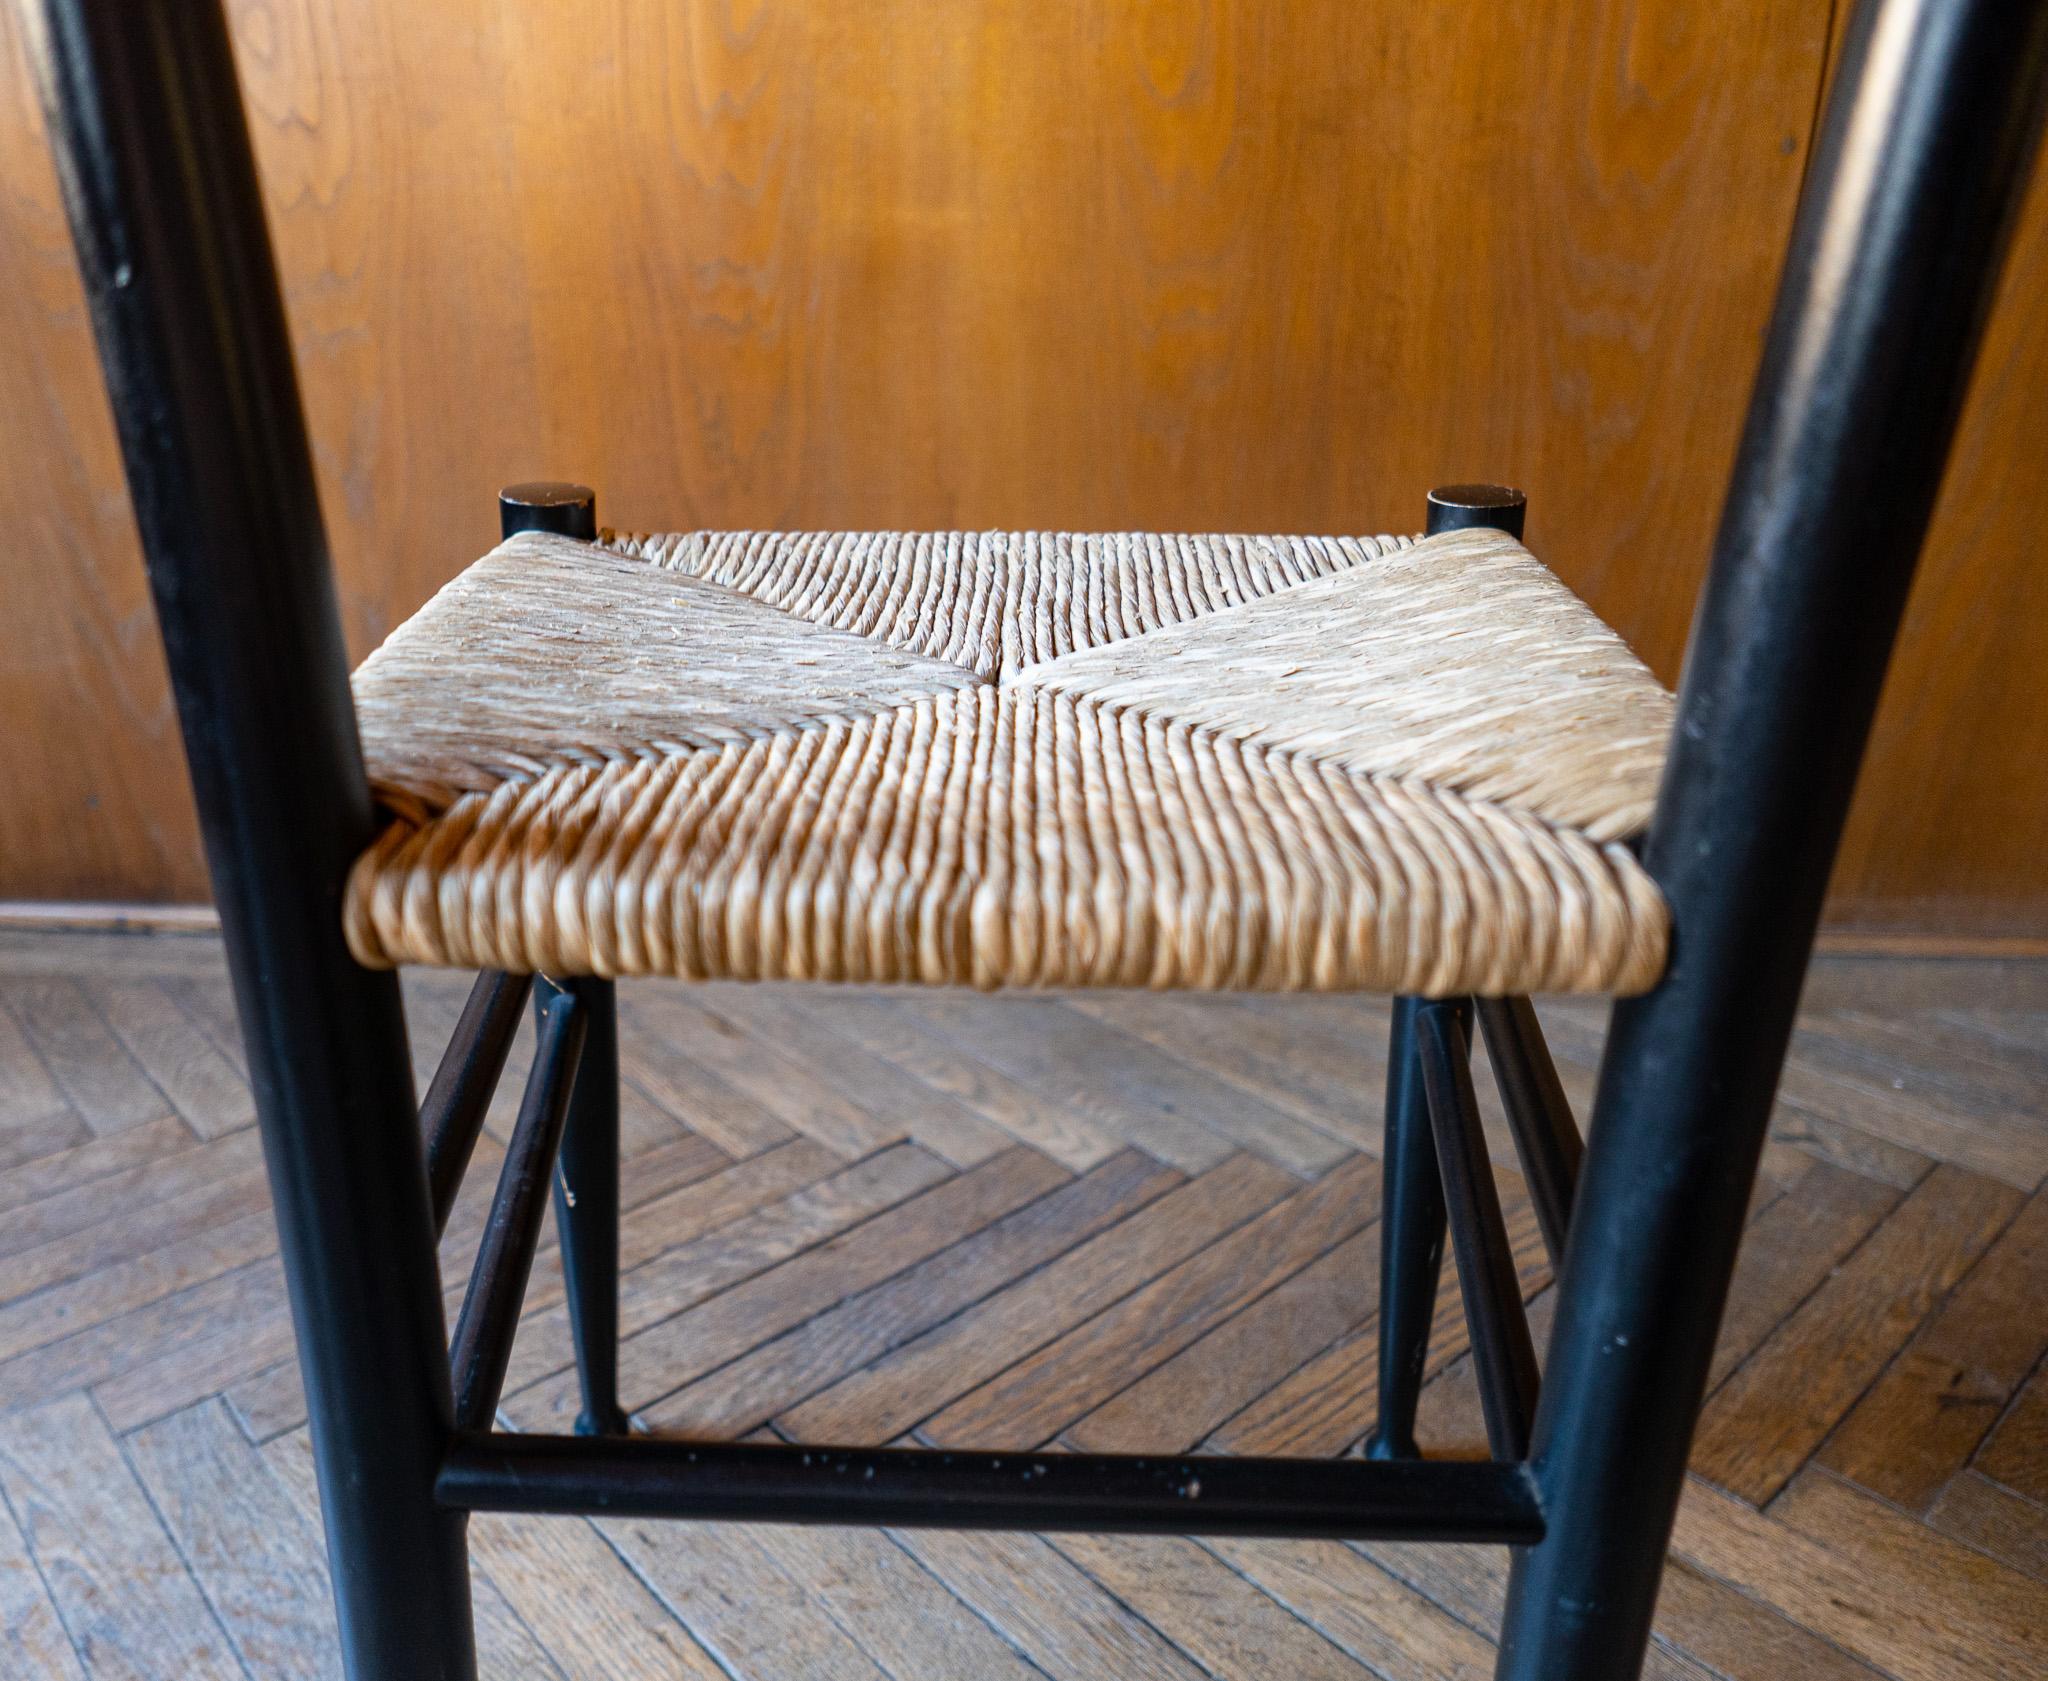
(1193,263)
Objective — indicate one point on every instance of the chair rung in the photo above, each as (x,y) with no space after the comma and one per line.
(453,1114)
(482,1346)
(1503,1355)
(638,1476)
(1539,1114)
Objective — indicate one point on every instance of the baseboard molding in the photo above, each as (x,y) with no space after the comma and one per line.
(1879,942)
(103,917)
(92,916)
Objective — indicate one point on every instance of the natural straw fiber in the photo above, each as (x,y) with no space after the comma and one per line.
(1463,662)
(551,652)
(1016,760)
(997,600)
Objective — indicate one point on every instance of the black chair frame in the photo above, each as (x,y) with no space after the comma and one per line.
(1926,143)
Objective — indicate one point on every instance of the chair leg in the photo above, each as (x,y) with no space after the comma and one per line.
(327,1060)
(1411,1241)
(587,1207)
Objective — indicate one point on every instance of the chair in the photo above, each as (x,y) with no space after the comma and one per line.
(1421,767)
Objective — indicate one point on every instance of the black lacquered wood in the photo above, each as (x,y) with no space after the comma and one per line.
(1539,1113)
(146,126)
(639,1476)
(452,1114)
(1503,1356)
(568,510)
(1471,507)
(1929,133)
(587,1204)
(1411,1239)
(482,1348)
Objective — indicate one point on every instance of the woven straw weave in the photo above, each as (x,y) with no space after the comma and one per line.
(1015,759)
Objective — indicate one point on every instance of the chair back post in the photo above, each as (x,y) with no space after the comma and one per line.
(1923,154)
(152,149)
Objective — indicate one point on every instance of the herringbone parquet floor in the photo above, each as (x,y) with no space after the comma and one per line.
(1106,1221)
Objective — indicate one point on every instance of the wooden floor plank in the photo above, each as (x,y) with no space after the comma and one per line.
(736,1124)
(1989,1516)
(259,1560)
(155,1332)
(948,1129)
(123,1196)
(1175,1405)
(1196,1600)
(1943,1053)
(37,1138)
(207,1091)
(1849,1147)
(126,1598)
(83,1159)
(206,997)
(1759,1428)
(1467,1581)
(680,1278)
(582,1603)
(707,1203)
(226,1328)
(2016,1452)
(2010,1035)
(872,1022)
(1248,1051)
(1041,1395)
(719,1043)
(1820,1588)
(1233,1109)
(684,1346)
(1789,1250)
(861,1328)
(1989,1620)
(32,1637)
(1329,1402)
(1742,1638)
(1922,1420)
(109,1290)
(36,1119)
(758,1623)
(887,1398)
(1357,1606)
(696,1102)
(1922,1107)
(150,1235)
(898,1612)
(1071,1627)
(102,1082)
(1068,1062)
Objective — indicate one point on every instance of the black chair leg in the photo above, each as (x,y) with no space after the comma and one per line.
(1411,1241)
(587,1207)
(1926,141)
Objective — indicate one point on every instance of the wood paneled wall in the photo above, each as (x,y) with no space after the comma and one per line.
(1222,265)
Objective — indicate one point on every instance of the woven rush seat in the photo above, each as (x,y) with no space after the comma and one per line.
(1015,759)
